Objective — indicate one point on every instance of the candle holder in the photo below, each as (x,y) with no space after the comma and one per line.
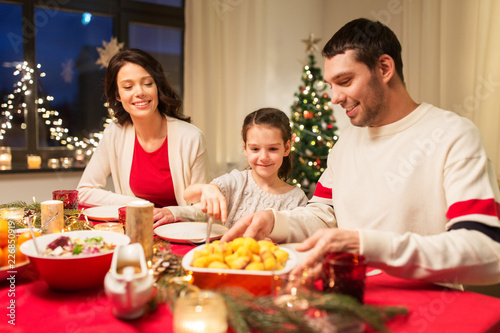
(345,273)
(15,214)
(140,225)
(53,163)
(66,162)
(5,158)
(122,216)
(79,157)
(110,226)
(68,197)
(34,161)
(200,312)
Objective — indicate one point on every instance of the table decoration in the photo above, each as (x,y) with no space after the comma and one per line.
(52,213)
(345,273)
(140,223)
(5,158)
(53,163)
(34,161)
(110,226)
(200,312)
(72,220)
(66,162)
(247,313)
(68,197)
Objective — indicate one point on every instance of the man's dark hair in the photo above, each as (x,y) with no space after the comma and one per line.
(369,39)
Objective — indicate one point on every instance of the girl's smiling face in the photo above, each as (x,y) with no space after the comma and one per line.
(137,91)
(265,149)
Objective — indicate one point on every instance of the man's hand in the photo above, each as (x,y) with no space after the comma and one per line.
(324,241)
(162,216)
(257,225)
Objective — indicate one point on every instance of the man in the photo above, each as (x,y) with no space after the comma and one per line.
(409,186)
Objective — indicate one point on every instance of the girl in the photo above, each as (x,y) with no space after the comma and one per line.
(266,137)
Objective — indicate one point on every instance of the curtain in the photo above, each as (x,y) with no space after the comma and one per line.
(451,52)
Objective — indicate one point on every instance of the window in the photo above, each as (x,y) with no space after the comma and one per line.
(52,88)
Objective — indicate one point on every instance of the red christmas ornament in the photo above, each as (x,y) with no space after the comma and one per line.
(330,126)
(308,114)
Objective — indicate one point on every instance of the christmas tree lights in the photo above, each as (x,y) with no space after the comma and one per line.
(313,126)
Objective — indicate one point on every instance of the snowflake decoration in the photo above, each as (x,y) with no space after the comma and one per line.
(67,72)
(108,51)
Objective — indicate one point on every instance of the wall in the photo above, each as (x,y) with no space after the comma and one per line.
(26,186)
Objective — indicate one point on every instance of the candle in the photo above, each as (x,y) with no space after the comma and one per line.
(140,225)
(34,161)
(110,226)
(66,162)
(48,210)
(79,157)
(12,213)
(201,312)
(53,163)
(5,158)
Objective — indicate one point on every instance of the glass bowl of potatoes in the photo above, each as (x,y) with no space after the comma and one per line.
(241,263)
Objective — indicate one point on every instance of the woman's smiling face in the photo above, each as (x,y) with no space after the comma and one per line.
(137,91)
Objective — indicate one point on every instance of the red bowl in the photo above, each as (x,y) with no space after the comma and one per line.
(77,272)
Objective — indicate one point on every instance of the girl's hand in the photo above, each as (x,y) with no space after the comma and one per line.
(162,216)
(213,203)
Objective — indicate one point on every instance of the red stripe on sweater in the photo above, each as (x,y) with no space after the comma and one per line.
(323,192)
(474,206)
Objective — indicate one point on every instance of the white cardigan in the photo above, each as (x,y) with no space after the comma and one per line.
(187,155)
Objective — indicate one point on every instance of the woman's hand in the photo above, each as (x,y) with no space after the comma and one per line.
(162,216)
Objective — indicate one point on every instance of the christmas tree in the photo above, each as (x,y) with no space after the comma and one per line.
(313,126)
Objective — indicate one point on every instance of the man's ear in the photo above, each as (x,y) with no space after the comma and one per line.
(386,67)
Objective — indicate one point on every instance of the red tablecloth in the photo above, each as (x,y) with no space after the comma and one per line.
(432,308)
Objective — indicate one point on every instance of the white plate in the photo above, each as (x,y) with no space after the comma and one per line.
(189,232)
(102,213)
(188,259)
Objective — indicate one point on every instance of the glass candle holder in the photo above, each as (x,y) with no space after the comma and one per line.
(68,197)
(34,161)
(5,158)
(122,215)
(289,290)
(79,157)
(12,213)
(66,162)
(110,226)
(345,273)
(53,163)
(200,312)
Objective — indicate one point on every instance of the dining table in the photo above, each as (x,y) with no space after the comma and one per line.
(431,307)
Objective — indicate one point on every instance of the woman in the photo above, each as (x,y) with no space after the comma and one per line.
(151,150)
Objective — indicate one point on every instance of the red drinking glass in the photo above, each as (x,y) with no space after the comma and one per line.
(345,273)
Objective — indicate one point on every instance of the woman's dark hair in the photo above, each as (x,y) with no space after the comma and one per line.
(369,39)
(273,118)
(169,102)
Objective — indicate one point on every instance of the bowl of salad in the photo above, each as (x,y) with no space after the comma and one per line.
(74,260)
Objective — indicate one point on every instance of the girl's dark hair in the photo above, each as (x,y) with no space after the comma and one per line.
(169,102)
(369,39)
(274,118)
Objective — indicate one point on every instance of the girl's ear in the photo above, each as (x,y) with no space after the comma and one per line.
(287,148)
(244,148)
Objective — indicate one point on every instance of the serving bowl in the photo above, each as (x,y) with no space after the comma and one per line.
(259,283)
(76,272)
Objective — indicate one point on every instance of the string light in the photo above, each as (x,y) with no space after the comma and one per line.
(57,131)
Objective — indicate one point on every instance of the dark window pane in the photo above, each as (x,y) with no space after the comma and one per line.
(165,44)
(12,110)
(173,3)
(66,49)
